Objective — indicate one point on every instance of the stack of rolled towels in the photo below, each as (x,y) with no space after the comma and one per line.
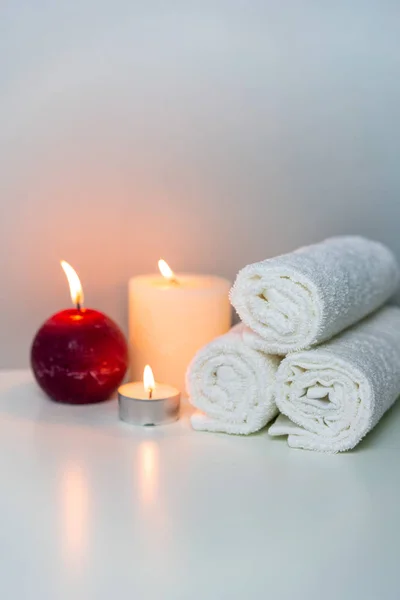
(318,346)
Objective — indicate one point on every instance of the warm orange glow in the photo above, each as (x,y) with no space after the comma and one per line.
(75,514)
(75,287)
(148,470)
(166,270)
(148,380)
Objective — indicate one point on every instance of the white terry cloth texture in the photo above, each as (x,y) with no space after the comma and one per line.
(231,380)
(336,393)
(297,300)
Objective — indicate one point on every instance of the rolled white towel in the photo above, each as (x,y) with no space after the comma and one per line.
(297,300)
(336,393)
(231,380)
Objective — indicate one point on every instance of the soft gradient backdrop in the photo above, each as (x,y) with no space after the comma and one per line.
(212,134)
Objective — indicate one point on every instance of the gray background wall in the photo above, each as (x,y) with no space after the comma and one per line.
(213,134)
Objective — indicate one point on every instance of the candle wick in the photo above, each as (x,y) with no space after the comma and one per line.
(78,306)
(150,393)
(174,281)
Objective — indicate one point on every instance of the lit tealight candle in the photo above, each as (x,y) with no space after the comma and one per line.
(147,402)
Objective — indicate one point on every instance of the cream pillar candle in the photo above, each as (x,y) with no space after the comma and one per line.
(173,316)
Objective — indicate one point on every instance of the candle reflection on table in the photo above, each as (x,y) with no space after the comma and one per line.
(75,505)
(148,462)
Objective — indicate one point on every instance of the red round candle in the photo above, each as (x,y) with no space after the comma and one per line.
(79,356)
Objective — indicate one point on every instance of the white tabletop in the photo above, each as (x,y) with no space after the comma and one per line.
(92,508)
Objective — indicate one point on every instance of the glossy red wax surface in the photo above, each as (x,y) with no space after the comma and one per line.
(79,356)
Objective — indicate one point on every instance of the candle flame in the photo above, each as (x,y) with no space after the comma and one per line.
(166,270)
(148,380)
(75,286)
